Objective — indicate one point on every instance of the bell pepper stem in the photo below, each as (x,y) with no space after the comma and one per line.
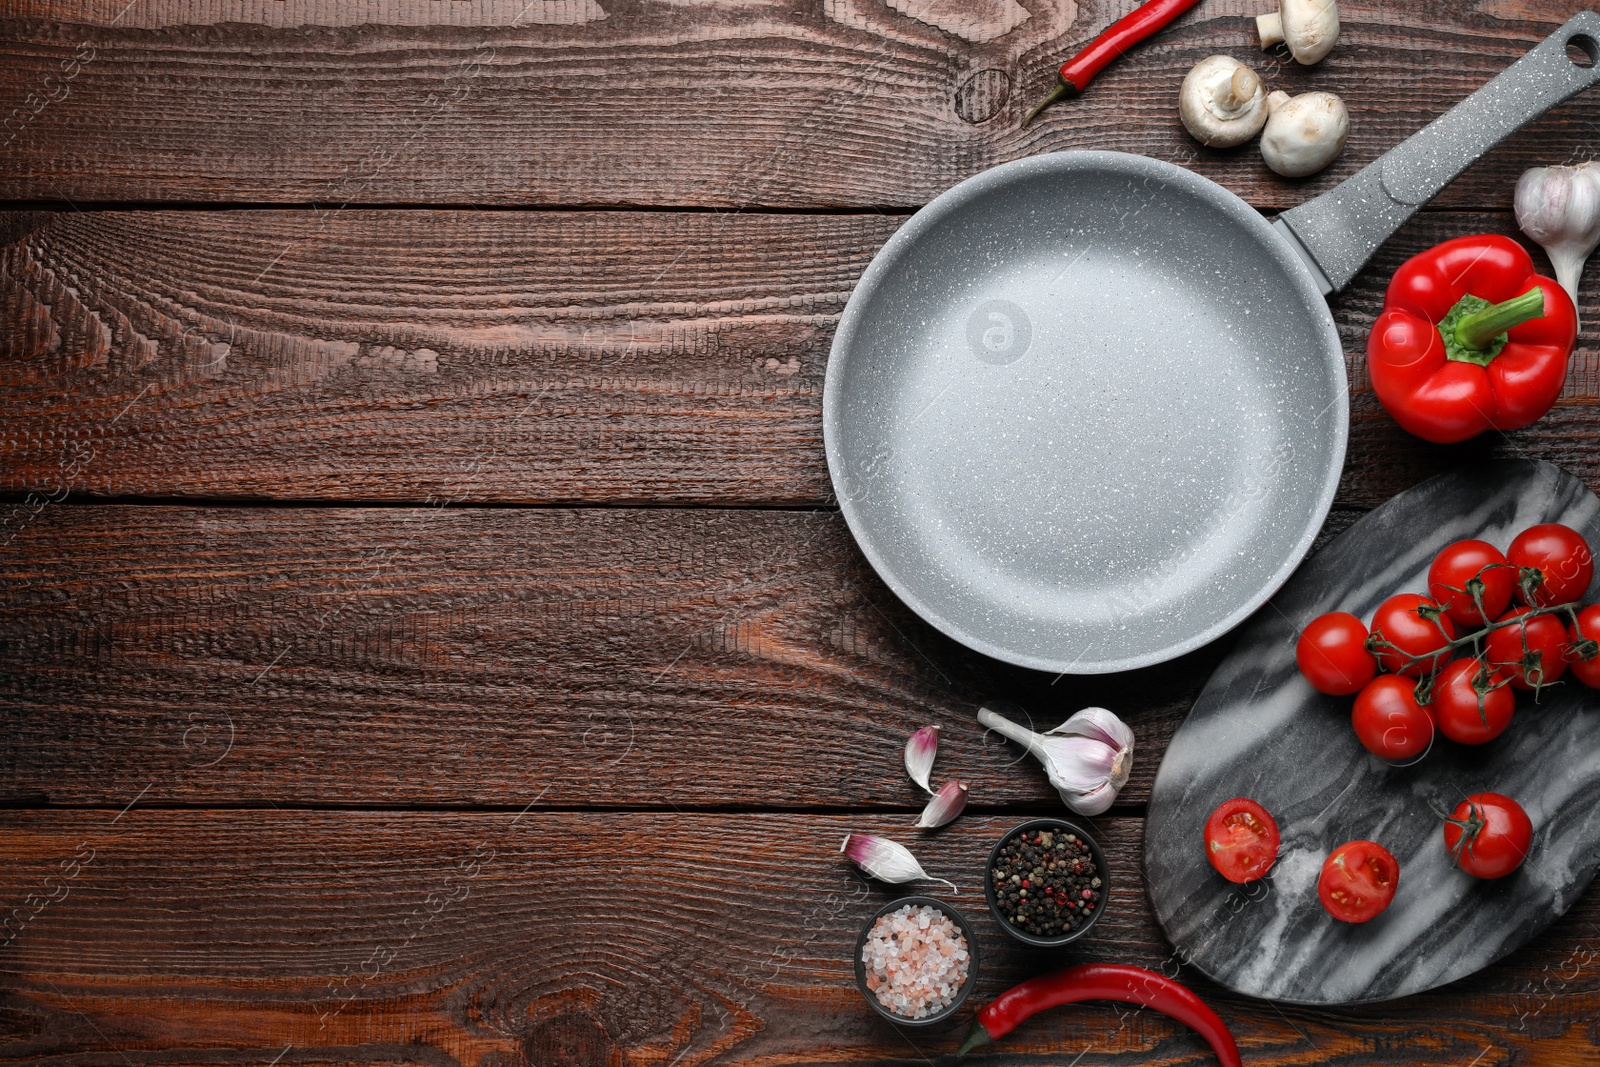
(1063,88)
(1479,329)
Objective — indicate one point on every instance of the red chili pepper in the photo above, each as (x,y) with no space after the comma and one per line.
(1141,22)
(1102,981)
(1470,339)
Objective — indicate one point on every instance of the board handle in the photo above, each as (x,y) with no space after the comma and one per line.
(1340,230)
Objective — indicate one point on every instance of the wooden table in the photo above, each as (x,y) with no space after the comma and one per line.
(428,637)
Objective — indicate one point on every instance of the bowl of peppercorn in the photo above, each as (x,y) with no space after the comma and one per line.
(1047,882)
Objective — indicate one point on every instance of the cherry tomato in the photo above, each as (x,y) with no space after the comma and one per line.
(1471,702)
(1530,653)
(1332,654)
(1358,881)
(1411,624)
(1562,559)
(1389,721)
(1584,632)
(1488,835)
(1241,840)
(1468,567)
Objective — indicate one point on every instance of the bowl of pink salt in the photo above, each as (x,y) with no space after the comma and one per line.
(916,961)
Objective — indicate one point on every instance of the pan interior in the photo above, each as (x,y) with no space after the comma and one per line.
(1085,414)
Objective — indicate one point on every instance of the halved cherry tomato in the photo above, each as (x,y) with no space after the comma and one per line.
(1358,881)
(1332,654)
(1530,653)
(1585,640)
(1472,702)
(1488,835)
(1241,840)
(1469,567)
(1560,561)
(1389,721)
(1416,627)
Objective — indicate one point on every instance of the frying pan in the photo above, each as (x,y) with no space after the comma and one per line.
(1086,411)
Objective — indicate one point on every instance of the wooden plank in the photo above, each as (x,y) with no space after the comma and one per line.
(579,939)
(649,102)
(598,657)
(517,357)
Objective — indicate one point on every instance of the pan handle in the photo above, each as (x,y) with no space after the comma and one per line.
(1340,230)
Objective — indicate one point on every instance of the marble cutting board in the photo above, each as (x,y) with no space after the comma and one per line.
(1259,730)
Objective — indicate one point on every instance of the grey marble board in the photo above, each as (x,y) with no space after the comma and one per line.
(1259,730)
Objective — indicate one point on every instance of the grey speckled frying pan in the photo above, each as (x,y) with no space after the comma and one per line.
(1086,411)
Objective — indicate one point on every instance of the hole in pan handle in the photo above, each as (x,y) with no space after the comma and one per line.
(1341,229)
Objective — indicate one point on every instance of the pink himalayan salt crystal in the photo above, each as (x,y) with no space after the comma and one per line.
(916,961)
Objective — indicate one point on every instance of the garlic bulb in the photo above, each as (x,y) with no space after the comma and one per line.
(886,860)
(1560,208)
(920,750)
(1088,758)
(946,804)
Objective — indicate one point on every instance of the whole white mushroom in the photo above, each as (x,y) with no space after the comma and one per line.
(1308,27)
(1222,102)
(1303,133)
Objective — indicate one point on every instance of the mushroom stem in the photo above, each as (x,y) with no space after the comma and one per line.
(1270,27)
(1236,93)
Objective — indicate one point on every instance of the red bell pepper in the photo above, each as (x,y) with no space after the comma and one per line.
(1471,339)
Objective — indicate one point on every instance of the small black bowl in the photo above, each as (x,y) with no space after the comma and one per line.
(1100,866)
(972,962)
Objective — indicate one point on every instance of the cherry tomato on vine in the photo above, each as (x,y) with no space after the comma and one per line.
(1584,635)
(1414,625)
(1472,702)
(1562,559)
(1241,840)
(1467,567)
(1389,721)
(1332,654)
(1488,835)
(1358,881)
(1531,653)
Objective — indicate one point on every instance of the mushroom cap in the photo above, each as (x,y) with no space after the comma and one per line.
(1219,106)
(1304,133)
(1309,28)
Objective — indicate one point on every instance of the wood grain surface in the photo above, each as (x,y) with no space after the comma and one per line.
(426,637)
(728,104)
(510,357)
(587,939)
(615,658)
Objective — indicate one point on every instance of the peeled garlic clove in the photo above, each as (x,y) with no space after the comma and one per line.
(920,750)
(946,804)
(885,860)
(1087,758)
(1559,207)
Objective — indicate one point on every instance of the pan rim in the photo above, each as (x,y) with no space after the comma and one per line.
(931,215)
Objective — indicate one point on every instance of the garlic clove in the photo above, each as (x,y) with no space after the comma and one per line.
(920,751)
(1098,723)
(1559,207)
(1095,802)
(946,804)
(886,860)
